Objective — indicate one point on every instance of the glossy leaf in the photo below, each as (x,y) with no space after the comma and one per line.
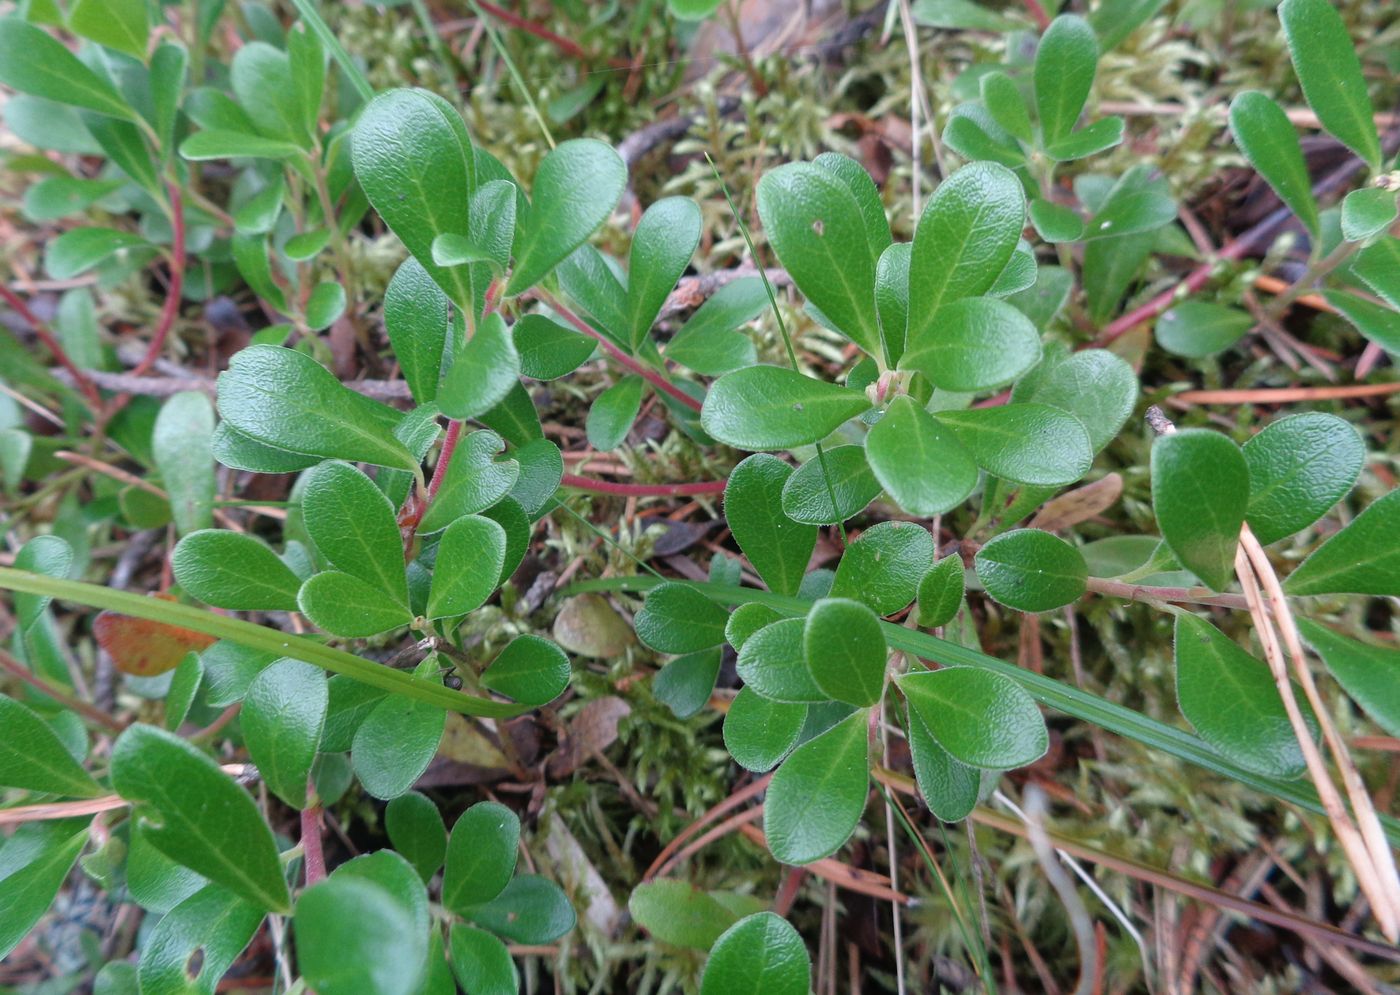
(481,963)
(325,304)
(285,399)
(684,684)
(1367,212)
(1299,467)
(481,856)
(983,719)
(416,318)
(191,948)
(1199,328)
(1055,222)
(34,863)
(345,605)
(816,798)
(845,650)
(282,718)
(196,815)
(1378,266)
(33,757)
(1031,570)
(1003,100)
(531,669)
(769,407)
(963,240)
(483,372)
(547,349)
(759,732)
(1029,443)
(576,187)
(977,344)
(217,143)
(679,619)
(353,526)
(884,566)
(416,831)
(531,910)
(919,462)
(678,913)
(1230,699)
(773,663)
(872,209)
(1200,489)
(759,955)
(80,249)
(612,413)
(941,592)
(778,547)
(1092,139)
(474,481)
(1369,674)
(468,567)
(1362,558)
(32,61)
(181,444)
(662,244)
(261,75)
(949,786)
(354,937)
(1325,60)
(395,743)
(1065,64)
(1096,386)
(1270,142)
(840,475)
(234,570)
(817,229)
(1377,322)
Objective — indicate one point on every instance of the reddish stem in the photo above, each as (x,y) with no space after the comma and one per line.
(645,372)
(449,446)
(565,45)
(51,344)
(1037,12)
(643,490)
(314,860)
(177,284)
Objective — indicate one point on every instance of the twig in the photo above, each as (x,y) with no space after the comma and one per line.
(80,379)
(1285,395)
(643,490)
(1171,595)
(313,859)
(91,806)
(1079,919)
(91,713)
(171,307)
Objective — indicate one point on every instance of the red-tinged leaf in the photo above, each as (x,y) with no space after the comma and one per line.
(144,648)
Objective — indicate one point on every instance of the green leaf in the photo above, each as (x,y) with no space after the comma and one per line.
(425,192)
(1019,273)
(282,718)
(1370,674)
(662,244)
(773,663)
(33,62)
(197,816)
(325,304)
(1028,443)
(16,446)
(416,831)
(949,786)
(531,910)
(838,475)
(758,732)
(612,413)
(818,231)
(972,133)
(1031,570)
(353,937)
(1092,139)
(778,548)
(1377,322)
(483,372)
(1115,20)
(345,605)
(1270,143)
(219,143)
(493,222)
(816,797)
(80,249)
(56,197)
(1006,105)
(1367,212)
(977,344)
(770,407)
(395,743)
(1065,64)
(884,566)
(33,757)
(233,570)
(475,480)
(589,279)
(941,592)
(261,76)
(1096,386)
(285,399)
(1327,67)
(531,669)
(480,856)
(1055,222)
(541,471)
(416,316)
(759,955)
(983,719)
(965,14)
(576,187)
(468,567)
(1230,699)
(193,946)
(845,651)
(1196,329)
(307,60)
(1139,202)
(1363,558)
(684,685)
(919,462)
(872,209)
(34,863)
(1378,266)
(481,962)
(353,526)
(678,913)
(679,619)
(547,349)
(963,241)
(1200,489)
(745,620)
(1299,467)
